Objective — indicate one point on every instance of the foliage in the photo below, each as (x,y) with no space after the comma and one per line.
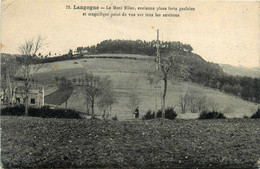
(256,114)
(115,118)
(44,112)
(169,114)
(149,115)
(211,115)
(132,47)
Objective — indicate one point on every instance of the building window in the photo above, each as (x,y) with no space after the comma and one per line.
(32,101)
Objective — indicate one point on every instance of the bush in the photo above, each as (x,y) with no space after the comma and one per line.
(44,112)
(169,114)
(256,115)
(211,115)
(149,115)
(115,118)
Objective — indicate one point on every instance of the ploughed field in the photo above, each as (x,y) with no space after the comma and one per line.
(62,143)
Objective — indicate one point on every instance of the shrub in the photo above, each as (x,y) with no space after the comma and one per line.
(159,114)
(115,118)
(149,115)
(256,115)
(211,115)
(245,117)
(169,114)
(44,112)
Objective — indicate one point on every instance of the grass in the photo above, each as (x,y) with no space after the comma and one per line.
(129,76)
(29,142)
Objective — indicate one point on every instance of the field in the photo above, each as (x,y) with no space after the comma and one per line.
(128,76)
(29,142)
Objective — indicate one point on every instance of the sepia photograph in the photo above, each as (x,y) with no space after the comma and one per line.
(130,84)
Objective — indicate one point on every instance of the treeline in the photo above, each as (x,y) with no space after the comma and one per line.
(212,75)
(132,47)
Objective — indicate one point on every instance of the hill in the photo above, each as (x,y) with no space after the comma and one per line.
(241,71)
(129,76)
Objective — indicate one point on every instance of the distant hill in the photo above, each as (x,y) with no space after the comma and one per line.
(241,71)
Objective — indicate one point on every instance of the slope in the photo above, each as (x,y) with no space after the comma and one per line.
(129,76)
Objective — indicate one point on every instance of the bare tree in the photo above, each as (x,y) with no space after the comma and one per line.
(93,87)
(30,64)
(172,67)
(107,97)
(134,101)
(201,101)
(212,104)
(195,100)
(183,103)
(9,67)
(191,96)
(67,88)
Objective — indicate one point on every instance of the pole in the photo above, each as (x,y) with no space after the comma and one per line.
(157,67)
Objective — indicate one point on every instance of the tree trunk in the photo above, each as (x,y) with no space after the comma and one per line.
(26,105)
(10,95)
(92,108)
(164,95)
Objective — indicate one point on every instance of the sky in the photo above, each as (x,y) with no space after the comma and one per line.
(221,32)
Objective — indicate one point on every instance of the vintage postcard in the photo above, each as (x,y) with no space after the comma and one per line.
(130,84)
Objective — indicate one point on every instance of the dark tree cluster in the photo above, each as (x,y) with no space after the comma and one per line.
(132,47)
(212,75)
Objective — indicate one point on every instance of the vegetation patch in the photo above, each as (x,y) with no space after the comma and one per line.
(44,112)
(211,115)
(256,114)
(169,114)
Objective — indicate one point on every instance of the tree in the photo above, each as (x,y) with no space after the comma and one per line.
(67,87)
(192,103)
(201,101)
(29,64)
(93,90)
(133,101)
(107,97)
(57,78)
(172,66)
(212,104)
(183,103)
(70,54)
(74,80)
(9,67)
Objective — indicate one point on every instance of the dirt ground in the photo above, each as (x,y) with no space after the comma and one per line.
(29,142)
